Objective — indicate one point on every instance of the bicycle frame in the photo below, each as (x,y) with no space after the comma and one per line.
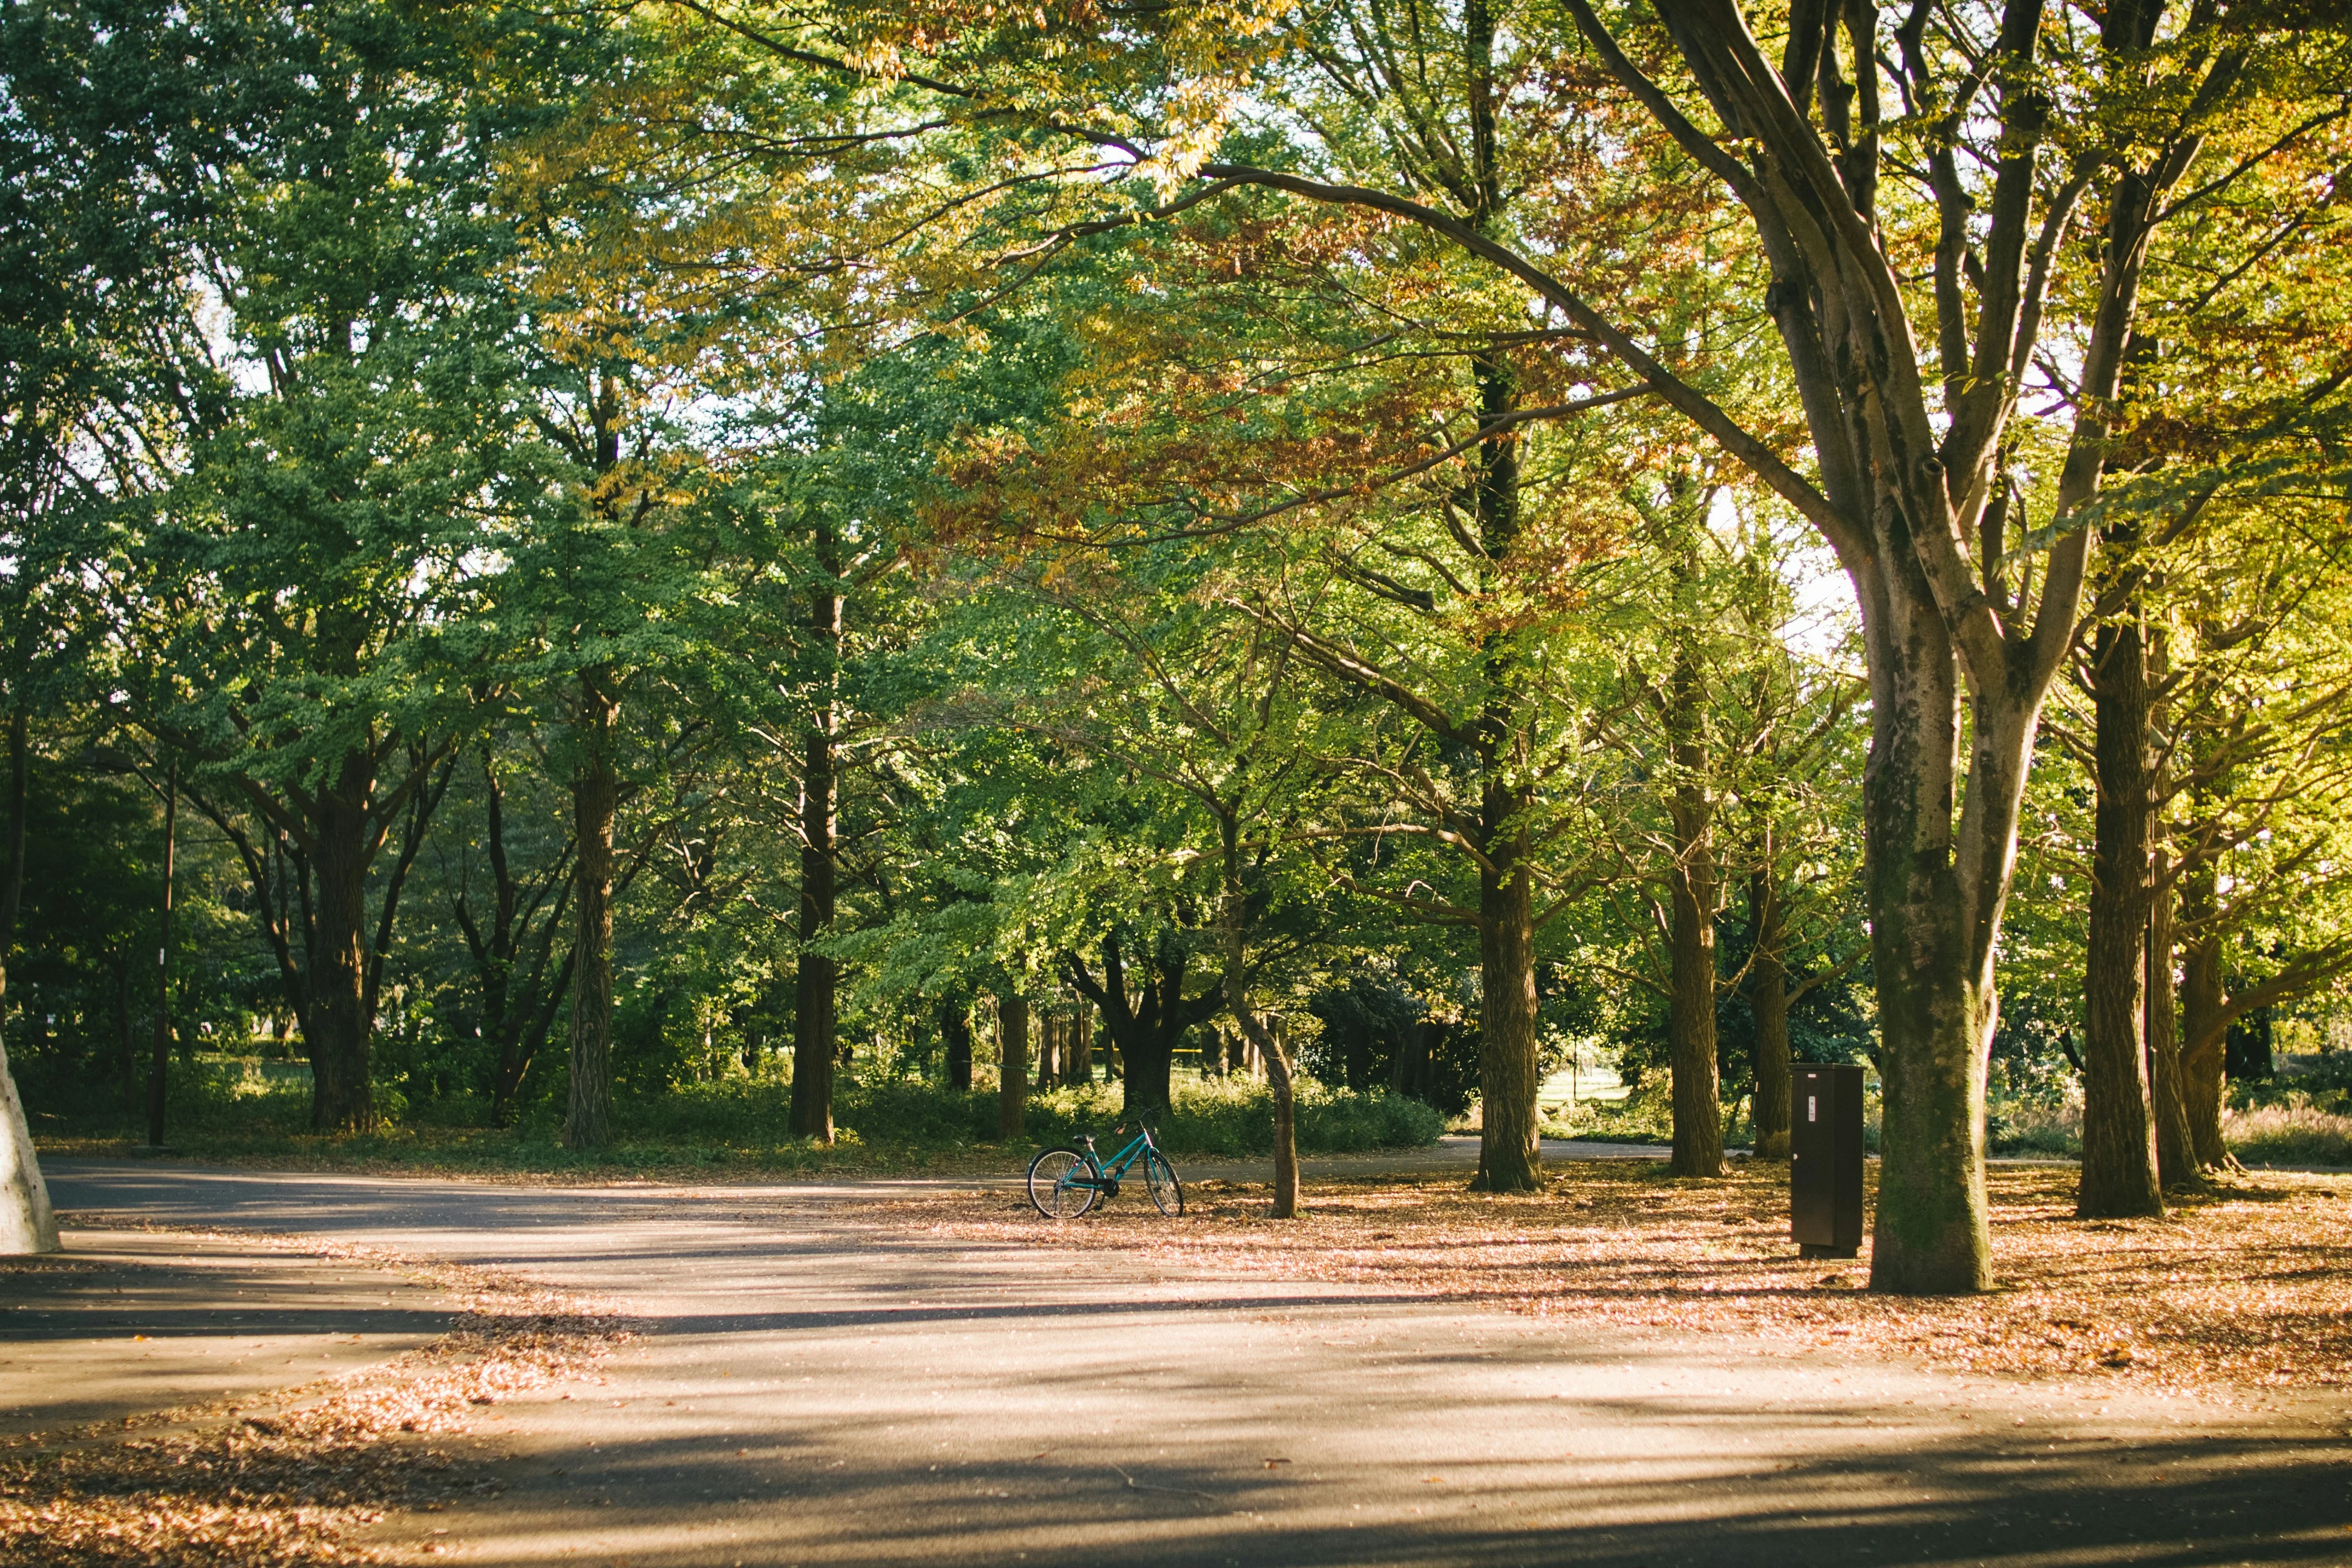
(1106,1178)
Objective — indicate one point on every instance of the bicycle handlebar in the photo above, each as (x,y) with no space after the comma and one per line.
(1148,1120)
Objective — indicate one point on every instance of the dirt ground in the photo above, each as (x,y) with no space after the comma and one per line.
(2251,1286)
(2236,1302)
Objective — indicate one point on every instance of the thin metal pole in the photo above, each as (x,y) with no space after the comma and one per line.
(163,965)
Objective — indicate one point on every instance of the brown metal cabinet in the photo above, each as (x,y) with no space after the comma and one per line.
(1825,1159)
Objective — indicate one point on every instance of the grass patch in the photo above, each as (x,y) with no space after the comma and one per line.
(2296,1131)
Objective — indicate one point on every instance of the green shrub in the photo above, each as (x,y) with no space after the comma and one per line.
(210,1091)
(1340,1123)
(1235,1118)
(1646,1115)
(738,1111)
(1059,1115)
(757,1113)
(898,1110)
(1232,1117)
(739,1116)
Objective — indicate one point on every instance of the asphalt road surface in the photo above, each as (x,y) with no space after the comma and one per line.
(129,1323)
(821,1386)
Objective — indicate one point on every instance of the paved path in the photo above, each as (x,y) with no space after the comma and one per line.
(128,1323)
(819,1387)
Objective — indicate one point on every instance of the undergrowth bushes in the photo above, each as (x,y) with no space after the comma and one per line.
(1644,1116)
(2044,1127)
(2295,1131)
(238,1106)
(234,1108)
(1232,1118)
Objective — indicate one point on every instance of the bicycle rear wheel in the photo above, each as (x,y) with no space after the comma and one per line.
(1160,1180)
(1050,1190)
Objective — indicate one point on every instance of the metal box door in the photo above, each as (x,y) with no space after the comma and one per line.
(1825,1159)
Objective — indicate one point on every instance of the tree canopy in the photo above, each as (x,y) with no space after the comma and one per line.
(706,549)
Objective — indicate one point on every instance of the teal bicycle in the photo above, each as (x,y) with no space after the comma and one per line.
(1065,1181)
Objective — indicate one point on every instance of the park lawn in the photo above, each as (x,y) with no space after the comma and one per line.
(2245,1288)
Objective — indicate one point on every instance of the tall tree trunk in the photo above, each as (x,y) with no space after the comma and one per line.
(1510,1157)
(1286,1097)
(126,1041)
(1509,1154)
(1690,1025)
(27,1223)
(2204,1024)
(1933,962)
(523,1036)
(1903,472)
(813,1023)
(1410,1074)
(1145,1031)
(1150,1058)
(2119,1170)
(595,803)
(518,1001)
(1269,1041)
(160,1062)
(1767,1002)
(1013,1063)
(1690,935)
(2175,1146)
(338,1028)
(1081,1067)
(955,1029)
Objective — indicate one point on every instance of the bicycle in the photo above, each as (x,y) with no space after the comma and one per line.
(1065,1181)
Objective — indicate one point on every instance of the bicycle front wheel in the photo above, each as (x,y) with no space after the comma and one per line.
(1160,1180)
(1061,1183)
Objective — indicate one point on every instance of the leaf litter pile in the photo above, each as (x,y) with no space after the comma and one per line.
(2244,1288)
(212,1485)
